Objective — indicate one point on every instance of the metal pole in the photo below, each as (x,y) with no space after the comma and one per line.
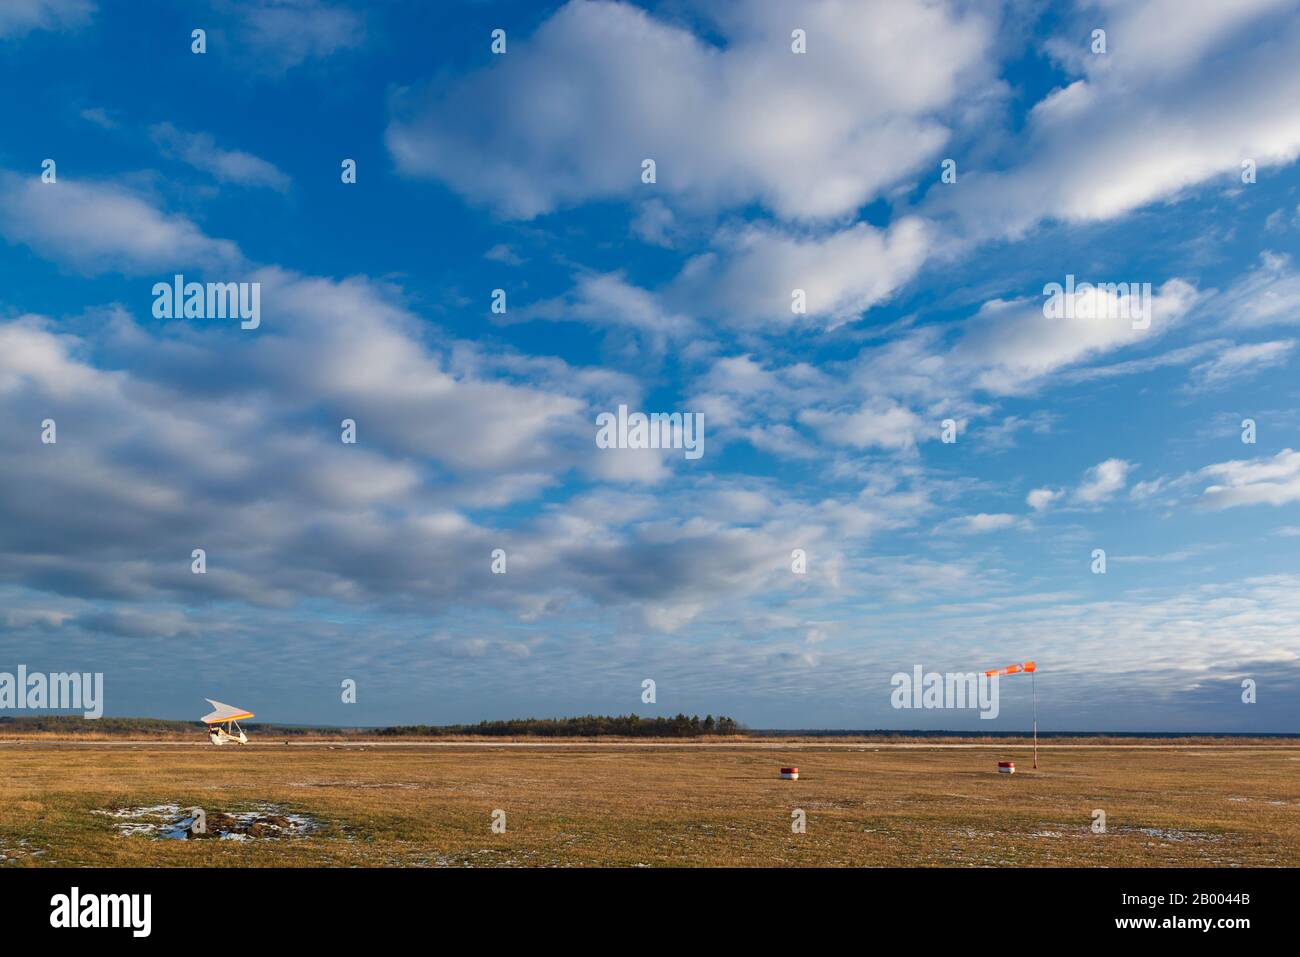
(1034,684)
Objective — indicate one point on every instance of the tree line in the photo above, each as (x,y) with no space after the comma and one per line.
(587,726)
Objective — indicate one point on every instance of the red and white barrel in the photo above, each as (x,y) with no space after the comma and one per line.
(790,774)
(1006,767)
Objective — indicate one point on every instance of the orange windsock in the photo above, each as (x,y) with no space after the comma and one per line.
(1026,667)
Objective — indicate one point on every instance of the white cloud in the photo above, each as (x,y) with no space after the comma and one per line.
(1146,490)
(1102,481)
(1268,295)
(748,281)
(1260,481)
(1002,435)
(100,117)
(608,299)
(1009,347)
(100,226)
(504,253)
(983,522)
(280,34)
(355,343)
(1162,37)
(750,278)
(892,395)
(1143,109)
(809,136)
(878,424)
(1239,360)
(1040,498)
(18,17)
(227,166)
(654,223)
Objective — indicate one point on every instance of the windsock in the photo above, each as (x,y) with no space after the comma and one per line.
(1027,667)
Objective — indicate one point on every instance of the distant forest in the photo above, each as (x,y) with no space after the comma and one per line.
(588,726)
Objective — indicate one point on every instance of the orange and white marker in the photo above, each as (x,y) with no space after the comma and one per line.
(1006,767)
(790,774)
(1027,667)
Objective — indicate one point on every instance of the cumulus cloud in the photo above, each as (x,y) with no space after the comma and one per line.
(889,396)
(145,470)
(1011,346)
(877,425)
(1259,481)
(96,227)
(655,223)
(1040,498)
(178,452)
(750,277)
(609,300)
(1102,481)
(1150,80)
(740,121)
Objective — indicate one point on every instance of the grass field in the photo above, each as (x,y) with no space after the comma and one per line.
(605,804)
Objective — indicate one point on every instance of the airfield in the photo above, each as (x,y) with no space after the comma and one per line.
(659,803)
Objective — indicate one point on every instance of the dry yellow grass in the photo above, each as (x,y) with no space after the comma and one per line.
(1207,805)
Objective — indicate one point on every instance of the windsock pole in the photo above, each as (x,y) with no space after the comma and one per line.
(1030,668)
(1034,684)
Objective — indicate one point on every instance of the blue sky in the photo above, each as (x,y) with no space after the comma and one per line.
(775,171)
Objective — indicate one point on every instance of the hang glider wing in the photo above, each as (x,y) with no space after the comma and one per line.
(223,713)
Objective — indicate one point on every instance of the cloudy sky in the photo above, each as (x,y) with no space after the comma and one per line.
(1168,159)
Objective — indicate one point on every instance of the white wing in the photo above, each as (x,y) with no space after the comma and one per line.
(224,712)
